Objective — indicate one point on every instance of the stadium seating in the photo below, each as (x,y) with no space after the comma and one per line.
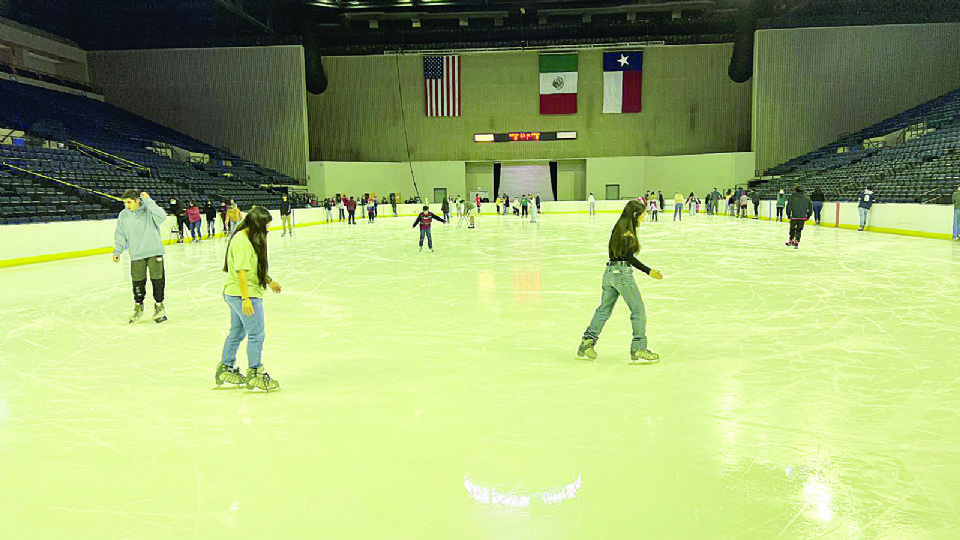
(925,168)
(103,150)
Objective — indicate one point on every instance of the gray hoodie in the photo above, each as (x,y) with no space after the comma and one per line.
(139,231)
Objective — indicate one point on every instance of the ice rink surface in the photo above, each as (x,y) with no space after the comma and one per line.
(801,394)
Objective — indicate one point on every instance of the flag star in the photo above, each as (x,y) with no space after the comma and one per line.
(623,60)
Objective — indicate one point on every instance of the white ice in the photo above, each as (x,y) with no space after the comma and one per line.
(801,394)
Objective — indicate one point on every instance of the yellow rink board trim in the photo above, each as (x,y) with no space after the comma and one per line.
(36,259)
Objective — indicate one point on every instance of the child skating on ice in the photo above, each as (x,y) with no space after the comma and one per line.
(424,220)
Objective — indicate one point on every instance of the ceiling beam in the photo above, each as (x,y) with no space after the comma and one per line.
(233,7)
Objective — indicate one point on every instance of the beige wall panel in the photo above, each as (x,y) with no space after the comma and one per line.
(812,85)
(250,100)
(690,107)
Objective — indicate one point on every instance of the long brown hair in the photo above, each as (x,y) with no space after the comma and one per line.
(255,223)
(622,244)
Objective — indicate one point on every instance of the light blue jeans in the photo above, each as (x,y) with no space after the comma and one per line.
(618,281)
(956,222)
(678,211)
(241,325)
(863,216)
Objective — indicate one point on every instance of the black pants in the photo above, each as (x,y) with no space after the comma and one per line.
(138,271)
(181,223)
(756,210)
(796,229)
(523,211)
(352,217)
(341,214)
(779,212)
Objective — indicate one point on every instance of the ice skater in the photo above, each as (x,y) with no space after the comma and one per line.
(424,220)
(799,210)
(678,206)
(618,281)
(592,204)
(286,216)
(866,201)
(817,198)
(654,209)
(781,203)
(210,212)
(534,210)
(248,277)
(445,209)
(138,231)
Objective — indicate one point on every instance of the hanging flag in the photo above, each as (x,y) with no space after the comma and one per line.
(622,79)
(441,85)
(558,84)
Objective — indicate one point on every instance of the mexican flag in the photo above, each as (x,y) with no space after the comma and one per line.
(558,84)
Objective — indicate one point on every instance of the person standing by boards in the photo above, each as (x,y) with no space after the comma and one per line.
(286,216)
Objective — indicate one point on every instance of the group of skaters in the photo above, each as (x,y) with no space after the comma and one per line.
(191,217)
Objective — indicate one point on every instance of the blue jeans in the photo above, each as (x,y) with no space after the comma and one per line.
(678,211)
(426,232)
(956,222)
(817,208)
(618,281)
(863,216)
(195,231)
(241,325)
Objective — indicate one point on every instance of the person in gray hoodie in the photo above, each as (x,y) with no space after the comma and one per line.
(138,231)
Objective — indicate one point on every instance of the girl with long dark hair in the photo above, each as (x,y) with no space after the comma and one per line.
(618,282)
(248,277)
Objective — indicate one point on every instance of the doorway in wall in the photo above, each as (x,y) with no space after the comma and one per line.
(439,194)
(613,192)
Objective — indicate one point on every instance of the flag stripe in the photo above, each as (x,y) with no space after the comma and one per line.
(558,104)
(556,63)
(612,91)
(632,83)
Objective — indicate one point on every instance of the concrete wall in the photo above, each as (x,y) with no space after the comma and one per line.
(813,84)
(575,177)
(53,55)
(690,106)
(249,100)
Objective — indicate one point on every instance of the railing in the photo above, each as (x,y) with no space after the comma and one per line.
(37,75)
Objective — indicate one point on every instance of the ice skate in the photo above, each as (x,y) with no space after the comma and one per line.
(258,378)
(137,313)
(230,375)
(159,313)
(421,248)
(644,357)
(585,350)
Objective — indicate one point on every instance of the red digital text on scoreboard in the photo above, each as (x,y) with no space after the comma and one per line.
(524,136)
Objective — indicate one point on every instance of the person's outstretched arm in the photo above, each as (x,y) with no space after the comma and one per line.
(438,218)
(417,222)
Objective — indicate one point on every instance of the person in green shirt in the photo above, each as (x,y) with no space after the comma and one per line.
(781,202)
(247,270)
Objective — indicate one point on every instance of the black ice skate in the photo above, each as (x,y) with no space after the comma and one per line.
(258,378)
(643,357)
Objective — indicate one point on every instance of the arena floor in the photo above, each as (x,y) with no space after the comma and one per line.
(801,394)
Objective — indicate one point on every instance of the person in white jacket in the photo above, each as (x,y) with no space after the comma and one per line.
(593,205)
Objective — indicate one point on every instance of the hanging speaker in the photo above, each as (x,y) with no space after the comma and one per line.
(741,63)
(316,77)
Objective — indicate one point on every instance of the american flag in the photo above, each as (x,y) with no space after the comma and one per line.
(441,85)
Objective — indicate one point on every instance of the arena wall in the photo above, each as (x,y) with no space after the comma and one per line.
(249,100)
(690,106)
(575,177)
(812,85)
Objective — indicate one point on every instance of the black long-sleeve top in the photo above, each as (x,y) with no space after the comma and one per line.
(634,262)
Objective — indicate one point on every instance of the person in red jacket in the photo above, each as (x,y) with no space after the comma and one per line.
(351,211)
(424,220)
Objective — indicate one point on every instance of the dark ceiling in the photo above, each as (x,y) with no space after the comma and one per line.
(372,26)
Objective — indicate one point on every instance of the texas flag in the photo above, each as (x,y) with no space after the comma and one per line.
(622,79)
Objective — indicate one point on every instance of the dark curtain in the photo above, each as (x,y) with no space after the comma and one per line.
(553,179)
(496,181)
